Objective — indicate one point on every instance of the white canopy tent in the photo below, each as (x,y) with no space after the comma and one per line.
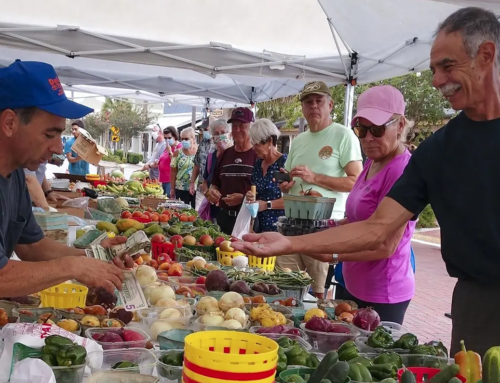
(225,49)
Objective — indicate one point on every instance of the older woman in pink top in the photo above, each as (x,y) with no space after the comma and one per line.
(172,139)
(383,278)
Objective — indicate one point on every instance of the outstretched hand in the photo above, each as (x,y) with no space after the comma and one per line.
(124,261)
(264,245)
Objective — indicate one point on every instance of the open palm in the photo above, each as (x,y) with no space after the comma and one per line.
(264,245)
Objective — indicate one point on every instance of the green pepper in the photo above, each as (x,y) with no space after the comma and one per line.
(359,373)
(57,340)
(124,364)
(285,342)
(348,354)
(423,350)
(389,357)
(293,352)
(441,349)
(361,359)
(406,341)
(49,359)
(50,349)
(71,356)
(313,361)
(383,371)
(346,345)
(381,338)
(298,360)
(173,358)
(282,361)
(295,379)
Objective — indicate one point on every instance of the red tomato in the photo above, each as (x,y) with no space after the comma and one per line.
(126,214)
(184,218)
(191,218)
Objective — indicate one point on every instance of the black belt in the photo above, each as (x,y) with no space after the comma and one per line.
(231,213)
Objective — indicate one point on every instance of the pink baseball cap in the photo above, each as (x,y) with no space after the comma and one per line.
(378,104)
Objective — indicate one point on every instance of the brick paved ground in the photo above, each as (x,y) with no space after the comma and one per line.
(434,288)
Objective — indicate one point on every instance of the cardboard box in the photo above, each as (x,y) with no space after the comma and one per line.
(70,195)
(88,149)
(80,213)
(152,202)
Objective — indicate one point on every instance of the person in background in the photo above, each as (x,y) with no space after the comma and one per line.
(233,175)
(152,162)
(182,166)
(221,134)
(326,158)
(200,160)
(39,188)
(76,166)
(264,137)
(172,144)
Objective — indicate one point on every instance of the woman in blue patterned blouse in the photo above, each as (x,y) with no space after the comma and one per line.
(264,136)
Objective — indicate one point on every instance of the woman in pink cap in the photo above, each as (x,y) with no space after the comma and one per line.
(383,278)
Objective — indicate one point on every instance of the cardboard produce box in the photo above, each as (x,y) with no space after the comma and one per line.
(152,202)
(88,149)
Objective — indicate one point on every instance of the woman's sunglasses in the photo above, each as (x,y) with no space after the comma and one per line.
(376,130)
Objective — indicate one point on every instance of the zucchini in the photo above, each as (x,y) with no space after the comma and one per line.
(446,374)
(330,368)
(408,377)
(491,365)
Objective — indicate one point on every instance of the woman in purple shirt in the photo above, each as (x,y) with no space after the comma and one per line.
(383,278)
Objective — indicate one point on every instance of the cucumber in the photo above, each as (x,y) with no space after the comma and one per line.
(491,365)
(408,377)
(329,368)
(445,374)
(390,380)
(455,380)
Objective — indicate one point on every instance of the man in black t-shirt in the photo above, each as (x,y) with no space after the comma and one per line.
(455,170)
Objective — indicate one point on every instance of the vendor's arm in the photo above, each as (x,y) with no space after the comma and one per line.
(36,192)
(72,159)
(45,249)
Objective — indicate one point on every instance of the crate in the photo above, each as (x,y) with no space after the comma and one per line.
(52,221)
(159,248)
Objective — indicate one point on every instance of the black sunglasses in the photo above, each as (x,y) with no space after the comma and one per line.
(376,130)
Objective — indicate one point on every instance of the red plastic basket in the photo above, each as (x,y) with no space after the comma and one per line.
(159,248)
(142,220)
(424,374)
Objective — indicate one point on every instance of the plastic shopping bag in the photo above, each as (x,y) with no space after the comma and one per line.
(204,210)
(242,225)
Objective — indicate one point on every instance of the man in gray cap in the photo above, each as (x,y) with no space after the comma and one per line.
(326,158)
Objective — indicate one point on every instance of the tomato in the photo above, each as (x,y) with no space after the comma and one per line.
(175,270)
(137,214)
(147,214)
(191,218)
(155,217)
(183,218)
(126,214)
(259,299)
(290,302)
(176,215)
(164,218)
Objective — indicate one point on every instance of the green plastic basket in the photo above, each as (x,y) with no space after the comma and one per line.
(303,372)
(173,339)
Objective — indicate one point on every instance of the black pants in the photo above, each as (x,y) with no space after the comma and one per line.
(474,309)
(390,312)
(186,197)
(226,221)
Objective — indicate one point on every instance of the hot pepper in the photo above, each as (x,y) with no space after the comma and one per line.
(359,373)
(470,364)
(71,356)
(57,340)
(383,371)
(282,361)
(423,350)
(406,341)
(381,338)
(441,349)
(389,357)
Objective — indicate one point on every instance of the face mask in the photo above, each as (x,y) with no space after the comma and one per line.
(186,144)
(154,135)
(171,141)
(222,141)
(207,135)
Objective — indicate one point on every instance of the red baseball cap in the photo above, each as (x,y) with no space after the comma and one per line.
(241,114)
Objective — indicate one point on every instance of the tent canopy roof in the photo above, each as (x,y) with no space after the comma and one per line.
(225,49)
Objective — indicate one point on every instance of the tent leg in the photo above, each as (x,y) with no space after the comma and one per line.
(348,104)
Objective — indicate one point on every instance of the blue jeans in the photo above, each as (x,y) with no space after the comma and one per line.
(166,188)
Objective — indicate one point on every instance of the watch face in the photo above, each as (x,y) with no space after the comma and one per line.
(269,205)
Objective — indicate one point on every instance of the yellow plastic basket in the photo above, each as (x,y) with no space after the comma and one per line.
(64,296)
(253,261)
(229,357)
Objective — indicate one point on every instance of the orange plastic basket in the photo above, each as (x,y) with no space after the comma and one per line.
(229,357)
(253,261)
(64,296)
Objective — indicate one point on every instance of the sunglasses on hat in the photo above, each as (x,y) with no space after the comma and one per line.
(375,130)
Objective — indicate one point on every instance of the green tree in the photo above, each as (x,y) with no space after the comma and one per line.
(286,108)
(96,124)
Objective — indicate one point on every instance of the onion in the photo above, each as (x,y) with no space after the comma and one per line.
(232,324)
(212,319)
(146,275)
(148,290)
(231,300)
(167,303)
(236,314)
(341,307)
(207,305)
(366,319)
(159,327)
(161,293)
(170,314)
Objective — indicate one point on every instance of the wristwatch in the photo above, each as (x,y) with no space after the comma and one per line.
(335,259)
(48,192)
(269,205)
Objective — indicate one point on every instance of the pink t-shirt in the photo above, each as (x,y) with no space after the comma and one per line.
(164,164)
(388,280)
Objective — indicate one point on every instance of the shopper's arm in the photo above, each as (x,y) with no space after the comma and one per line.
(36,193)
(45,250)
(72,159)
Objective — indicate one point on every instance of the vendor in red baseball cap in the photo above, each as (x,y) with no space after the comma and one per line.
(33,113)
(233,175)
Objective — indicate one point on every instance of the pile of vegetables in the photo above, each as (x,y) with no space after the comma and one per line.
(382,338)
(292,353)
(227,312)
(266,316)
(278,277)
